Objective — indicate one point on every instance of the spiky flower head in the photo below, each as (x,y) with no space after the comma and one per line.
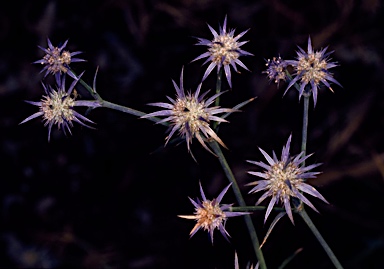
(312,68)
(224,50)
(190,115)
(57,60)
(283,179)
(276,69)
(56,107)
(210,214)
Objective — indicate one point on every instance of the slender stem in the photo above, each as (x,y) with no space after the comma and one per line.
(252,208)
(248,221)
(218,86)
(110,105)
(298,203)
(304,133)
(128,110)
(317,234)
(215,124)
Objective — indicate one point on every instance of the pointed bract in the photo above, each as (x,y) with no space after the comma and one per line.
(312,68)
(284,179)
(210,214)
(56,107)
(223,50)
(56,61)
(190,115)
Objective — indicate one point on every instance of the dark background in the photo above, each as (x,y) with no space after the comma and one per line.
(107,198)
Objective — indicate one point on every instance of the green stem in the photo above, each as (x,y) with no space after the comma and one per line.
(317,234)
(304,133)
(124,109)
(218,86)
(217,101)
(248,221)
(252,208)
(298,203)
(110,105)
(128,110)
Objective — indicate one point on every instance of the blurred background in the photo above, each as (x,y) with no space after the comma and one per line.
(109,198)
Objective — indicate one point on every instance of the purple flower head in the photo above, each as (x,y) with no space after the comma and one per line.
(190,115)
(57,60)
(312,68)
(276,69)
(223,51)
(283,179)
(56,107)
(210,214)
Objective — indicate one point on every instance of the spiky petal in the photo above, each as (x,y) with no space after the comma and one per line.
(190,115)
(56,107)
(312,68)
(57,60)
(224,50)
(210,214)
(283,179)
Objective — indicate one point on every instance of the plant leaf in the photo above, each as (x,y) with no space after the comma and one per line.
(277,218)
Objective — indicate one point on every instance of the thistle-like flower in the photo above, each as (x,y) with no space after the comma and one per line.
(56,107)
(210,214)
(191,115)
(312,67)
(284,179)
(224,50)
(276,69)
(57,60)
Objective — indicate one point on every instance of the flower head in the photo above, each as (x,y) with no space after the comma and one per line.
(276,69)
(190,115)
(210,214)
(57,60)
(312,67)
(56,107)
(284,179)
(224,50)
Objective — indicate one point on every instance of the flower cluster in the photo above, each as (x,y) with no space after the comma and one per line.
(210,214)
(57,105)
(276,69)
(283,179)
(311,68)
(224,50)
(191,115)
(57,60)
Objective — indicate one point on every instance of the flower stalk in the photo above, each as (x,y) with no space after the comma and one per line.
(106,104)
(319,237)
(298,204)
(218,86)
(304,133)
(253,208)
(240,200)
